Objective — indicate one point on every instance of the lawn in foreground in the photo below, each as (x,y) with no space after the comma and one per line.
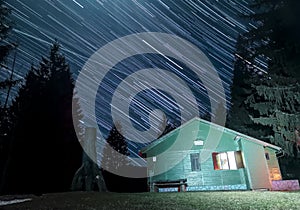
(187,200)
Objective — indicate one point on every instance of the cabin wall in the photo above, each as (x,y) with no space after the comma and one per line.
(177,146)
(207,178)
(178,140)
(273,165)
(256,165)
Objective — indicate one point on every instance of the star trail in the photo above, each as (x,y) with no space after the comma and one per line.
(84,26)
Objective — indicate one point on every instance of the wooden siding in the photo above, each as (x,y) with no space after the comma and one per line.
(184,140)
(255,175)
(256,165)
(207,176)
(273,166)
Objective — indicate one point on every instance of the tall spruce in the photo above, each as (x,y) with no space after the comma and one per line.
(275,98)
(275,103)
(116,145)
(44,150)
(272,97)
(244,74)
(112,161)
(5,47)
(6,83)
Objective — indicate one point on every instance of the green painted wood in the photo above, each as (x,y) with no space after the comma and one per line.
(198,129)
(273,165)
(256,165)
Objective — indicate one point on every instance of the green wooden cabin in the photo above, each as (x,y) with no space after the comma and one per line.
(200,156)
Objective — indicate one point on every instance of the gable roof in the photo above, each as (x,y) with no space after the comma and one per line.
(245,137)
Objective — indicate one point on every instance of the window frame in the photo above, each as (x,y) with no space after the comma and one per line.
(238,160)
(195,161)
(267,156)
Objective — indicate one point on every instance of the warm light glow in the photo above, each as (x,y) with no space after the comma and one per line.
(275,174)
(224,161)
(232,161)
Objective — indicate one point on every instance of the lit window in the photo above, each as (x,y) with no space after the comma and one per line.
(275,174)
(223,161)
(232,160)
(195,164)
(228,160)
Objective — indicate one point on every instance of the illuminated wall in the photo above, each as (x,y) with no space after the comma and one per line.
(233,165)
(272,162)
(256,165)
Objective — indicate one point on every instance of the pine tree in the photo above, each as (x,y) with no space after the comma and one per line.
(6,83)
(44,150)
(274,100)
(269,100)
(111,160)
(265,104)
(265,91)
(5,28)
(276,104)
(118,145)
(245,74)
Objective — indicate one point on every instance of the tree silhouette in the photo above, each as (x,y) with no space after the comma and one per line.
(271,100)
(118,145)
(244,75)
(6,83)
(44,150)
(114,158)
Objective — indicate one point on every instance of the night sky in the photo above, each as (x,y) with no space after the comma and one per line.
(84,26)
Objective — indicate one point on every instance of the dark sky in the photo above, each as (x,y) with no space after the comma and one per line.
(84,26)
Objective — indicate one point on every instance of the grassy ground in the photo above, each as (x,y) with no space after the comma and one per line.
(148,201)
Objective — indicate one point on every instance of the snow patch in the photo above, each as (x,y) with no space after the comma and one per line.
(4,203)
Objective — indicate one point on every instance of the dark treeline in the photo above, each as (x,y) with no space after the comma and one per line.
(266,84)
(43,152)
(39,150)
(111,161)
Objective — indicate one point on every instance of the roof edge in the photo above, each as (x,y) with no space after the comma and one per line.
(161,139)
(246,137)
